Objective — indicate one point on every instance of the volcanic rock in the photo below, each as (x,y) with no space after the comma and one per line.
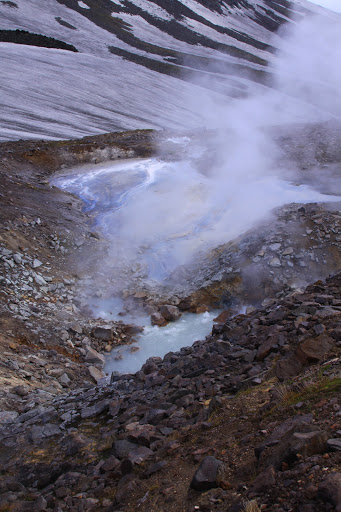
(209,474)
(94,357)
(157,319)
(95,373)
(103,332)
(314,349)
(330,490)
(288,367)
(334,445)
(170,313)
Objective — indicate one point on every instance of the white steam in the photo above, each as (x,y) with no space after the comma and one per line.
(158,215)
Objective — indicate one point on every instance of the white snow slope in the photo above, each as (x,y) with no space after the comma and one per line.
(139,63)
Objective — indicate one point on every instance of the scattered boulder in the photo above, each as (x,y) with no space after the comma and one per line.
(170,313)
(223,316)
(330,490)
(8,416)
(122,448)
(265,480)
(296,443)
(95,410)
(266,347)
(76,328)
(157,319)
(110,464)
(94,357)
(65,380)
(103,332)
(209,474)
(313,350)
(95,373)
(334,445)
(288,367)
(125,487)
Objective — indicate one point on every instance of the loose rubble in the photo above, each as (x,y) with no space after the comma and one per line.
(249,415)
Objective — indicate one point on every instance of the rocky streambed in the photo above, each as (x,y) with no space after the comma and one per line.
(251,413)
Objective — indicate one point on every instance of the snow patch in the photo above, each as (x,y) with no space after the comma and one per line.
(83,5)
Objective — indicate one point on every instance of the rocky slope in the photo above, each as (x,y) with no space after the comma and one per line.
(139,64)
(246,420)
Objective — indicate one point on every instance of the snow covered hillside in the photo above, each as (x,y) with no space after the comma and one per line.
(139,63)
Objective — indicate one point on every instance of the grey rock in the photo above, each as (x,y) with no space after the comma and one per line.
(139,455)
(110,464)
(275,247)
(95,410)
(155,467)
(103,332)
(154,416)
(30,414)
(306,443)
(17,258)
(334,445)
(125,487)
(330,490)
(265,480)
(65,380)
(266,347)
(56,372)
(95,373)
(21,390)
(275,263)
(45,431)
(209,474)
(170,313)
(76,328)
(94,357)
(313,350)
(288,367)
(123,447)
(36,263)
(39,280)
(8,416)
(158,319)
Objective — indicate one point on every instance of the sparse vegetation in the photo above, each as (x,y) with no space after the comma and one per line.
(315,390)
(251,506)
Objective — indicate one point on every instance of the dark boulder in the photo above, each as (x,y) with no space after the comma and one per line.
(209,474)
(170,313)
(330,490)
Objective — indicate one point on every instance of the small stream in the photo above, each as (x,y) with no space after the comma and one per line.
(158,341)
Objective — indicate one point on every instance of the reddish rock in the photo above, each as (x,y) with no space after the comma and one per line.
(313,350)
(224,315)
(209,474)
(158,319)
(201,309)
(266,347)
(170,313)
(288,367)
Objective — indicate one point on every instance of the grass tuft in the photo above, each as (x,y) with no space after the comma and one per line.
(251,506)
